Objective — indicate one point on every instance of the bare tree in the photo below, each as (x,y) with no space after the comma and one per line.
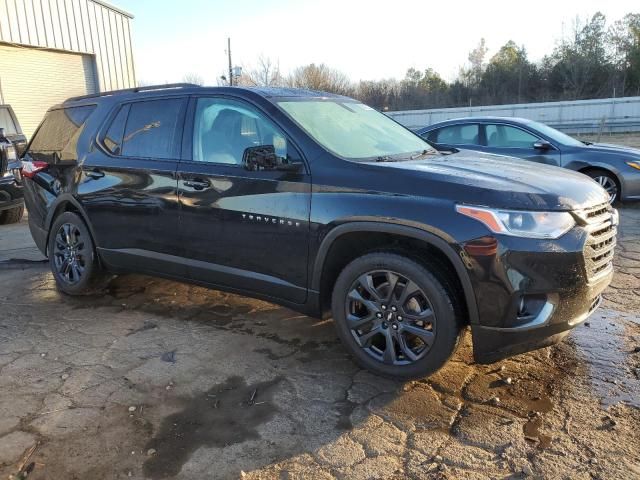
(320,77)
(265,74)
(193,78)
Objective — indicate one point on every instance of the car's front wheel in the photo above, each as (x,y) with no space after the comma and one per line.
(72,256)
(395,315)
(608,181)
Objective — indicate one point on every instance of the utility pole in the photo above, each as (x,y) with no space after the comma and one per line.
(229,54)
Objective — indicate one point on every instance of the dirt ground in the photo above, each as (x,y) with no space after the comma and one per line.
(156,379)
(628,139)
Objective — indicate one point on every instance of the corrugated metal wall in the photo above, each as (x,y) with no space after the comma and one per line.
(35,79)
(580,116)
(82,26)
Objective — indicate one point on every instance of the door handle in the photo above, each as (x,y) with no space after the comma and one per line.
(95,173)
(196,184)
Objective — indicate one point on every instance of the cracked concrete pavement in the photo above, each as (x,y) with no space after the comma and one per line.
(157,379)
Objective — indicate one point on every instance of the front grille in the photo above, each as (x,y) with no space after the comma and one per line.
(600,223)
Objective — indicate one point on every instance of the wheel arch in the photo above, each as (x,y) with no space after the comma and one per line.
(607,169)
(425,238)
(67,203)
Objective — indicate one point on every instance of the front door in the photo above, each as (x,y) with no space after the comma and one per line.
(517,142)
(129,186)
(241,228)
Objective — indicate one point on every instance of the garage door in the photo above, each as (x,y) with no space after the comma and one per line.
(33,79)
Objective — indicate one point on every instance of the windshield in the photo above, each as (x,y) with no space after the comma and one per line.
(353,130)
(556,135)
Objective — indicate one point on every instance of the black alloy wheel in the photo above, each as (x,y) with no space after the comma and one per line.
(69,255)
(390,317)
(399,316)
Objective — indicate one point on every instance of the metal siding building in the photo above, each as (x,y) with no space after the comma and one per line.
(54,49)
(578,116)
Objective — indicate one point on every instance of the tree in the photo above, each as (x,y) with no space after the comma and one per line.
(624,38)
(193,78)
(320,77)
(509,76)
(581,67)
(265,74)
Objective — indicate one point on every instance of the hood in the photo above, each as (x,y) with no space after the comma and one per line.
(502,182)
(630,152)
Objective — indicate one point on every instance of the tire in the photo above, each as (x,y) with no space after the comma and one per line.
(72,256)
(608,181)
(13,215)
(428,340)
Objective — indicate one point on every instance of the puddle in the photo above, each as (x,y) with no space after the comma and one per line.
(607,345)
(228,413)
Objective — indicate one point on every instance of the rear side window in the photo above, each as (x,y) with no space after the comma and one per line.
(151,129)
(57,138)
(6,122)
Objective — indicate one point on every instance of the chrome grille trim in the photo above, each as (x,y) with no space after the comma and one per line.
(600,223)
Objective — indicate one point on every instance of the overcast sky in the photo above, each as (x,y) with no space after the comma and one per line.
(364,39)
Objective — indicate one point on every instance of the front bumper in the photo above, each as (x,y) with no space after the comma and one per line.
(530,293)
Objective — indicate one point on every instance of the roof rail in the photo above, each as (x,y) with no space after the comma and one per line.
(133,90)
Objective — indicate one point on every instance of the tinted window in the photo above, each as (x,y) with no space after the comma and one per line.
(508,137)
(57,137)
(152,129)
(113,138)
(6,122)
(458,135)
(223,129)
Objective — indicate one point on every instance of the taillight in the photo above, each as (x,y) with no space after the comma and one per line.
(30,168)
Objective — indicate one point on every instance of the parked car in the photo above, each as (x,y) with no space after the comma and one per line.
(12,145)
(615,168)
(321,204)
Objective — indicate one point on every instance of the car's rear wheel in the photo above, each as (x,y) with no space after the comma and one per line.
(608,181)
(395,315)
(72,256)
(13,215)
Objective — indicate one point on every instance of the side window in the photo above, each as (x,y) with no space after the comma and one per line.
(508,137)
(459,135)
(6,122)
(224,128)
(113,138)
(432,136)
(151,129)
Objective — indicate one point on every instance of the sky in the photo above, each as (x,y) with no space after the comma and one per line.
(367,40)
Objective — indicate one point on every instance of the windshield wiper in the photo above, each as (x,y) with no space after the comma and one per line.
(423,153)
(385,158)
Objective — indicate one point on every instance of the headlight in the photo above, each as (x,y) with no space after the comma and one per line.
(634,164)
(518,223)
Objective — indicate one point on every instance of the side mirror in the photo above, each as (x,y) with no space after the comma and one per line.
(542,145)
(263,157)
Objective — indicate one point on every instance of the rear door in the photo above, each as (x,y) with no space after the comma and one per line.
(516,142)
(241,228)
(128,186)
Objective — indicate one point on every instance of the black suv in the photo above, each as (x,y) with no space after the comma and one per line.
(324,205)
(12,145)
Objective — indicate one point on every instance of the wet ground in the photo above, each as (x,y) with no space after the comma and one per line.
(156,379)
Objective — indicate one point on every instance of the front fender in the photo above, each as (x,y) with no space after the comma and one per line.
(400,230)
